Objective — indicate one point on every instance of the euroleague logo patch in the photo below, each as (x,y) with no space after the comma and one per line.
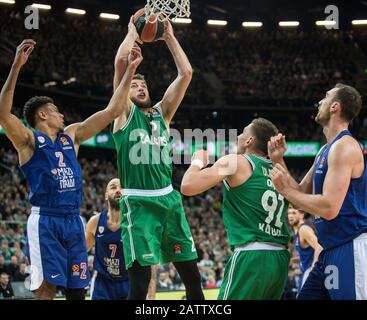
(76,270)
(64,141)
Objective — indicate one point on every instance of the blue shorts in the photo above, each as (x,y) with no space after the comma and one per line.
(57,251)
(339,274)
(103,288)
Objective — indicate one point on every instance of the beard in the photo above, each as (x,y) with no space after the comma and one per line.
(114,204)
(141,104)
(322,119)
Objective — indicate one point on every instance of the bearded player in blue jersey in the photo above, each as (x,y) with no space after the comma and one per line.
(110,281)
(48,159)
(335,192)
(103,231)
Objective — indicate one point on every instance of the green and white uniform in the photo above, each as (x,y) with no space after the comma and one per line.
(254,216)
(154,225)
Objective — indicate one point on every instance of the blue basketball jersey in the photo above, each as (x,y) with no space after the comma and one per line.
(305,255)
(352,218)
(109,255)
(54,175)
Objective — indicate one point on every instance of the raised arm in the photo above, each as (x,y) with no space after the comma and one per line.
(121,58)
(176,91)
(19,135)
(198,178)
(342,159)
(119,103)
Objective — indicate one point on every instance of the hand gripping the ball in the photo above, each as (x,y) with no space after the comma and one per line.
(135,57)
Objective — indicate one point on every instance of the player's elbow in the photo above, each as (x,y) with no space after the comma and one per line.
(330,212)
(187,190)
(187,73)
(120,61)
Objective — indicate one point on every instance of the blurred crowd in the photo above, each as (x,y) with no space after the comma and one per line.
(279,67)
(288,68)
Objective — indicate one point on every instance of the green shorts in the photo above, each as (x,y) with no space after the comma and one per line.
(155,230)
(255,275)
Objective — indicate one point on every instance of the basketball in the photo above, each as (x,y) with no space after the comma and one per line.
(150,30)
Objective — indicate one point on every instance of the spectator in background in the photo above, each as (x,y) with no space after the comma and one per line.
(6,291)
(21,274)
(211,283)
(206,262)
(164,281)
(13,267)
(5,251)
(2,264)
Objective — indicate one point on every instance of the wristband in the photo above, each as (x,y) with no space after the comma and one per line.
(198,163)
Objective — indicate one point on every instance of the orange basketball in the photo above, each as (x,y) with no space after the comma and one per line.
(150,30)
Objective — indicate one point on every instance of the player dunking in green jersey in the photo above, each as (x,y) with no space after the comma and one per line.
(254,215)
(154,225)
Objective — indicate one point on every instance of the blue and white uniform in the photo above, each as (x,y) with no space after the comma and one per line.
(110,282)
(306,256)
(341,270)
(56,243)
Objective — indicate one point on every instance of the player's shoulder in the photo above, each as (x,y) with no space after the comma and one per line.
(305,228)
(233,162)
(346,147)
(93,222)
(230,159)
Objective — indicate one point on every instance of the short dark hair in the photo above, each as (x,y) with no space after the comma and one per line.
(263,130)
(350,100)
(138,76)
(31,107)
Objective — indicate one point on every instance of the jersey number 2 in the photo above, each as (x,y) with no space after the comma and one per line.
(60,156)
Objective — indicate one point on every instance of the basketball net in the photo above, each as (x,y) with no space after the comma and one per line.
(167,9)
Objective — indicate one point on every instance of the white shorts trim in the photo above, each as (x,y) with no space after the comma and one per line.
(360,266)
(305,276)
(34,251)
(260,246)
(148,193)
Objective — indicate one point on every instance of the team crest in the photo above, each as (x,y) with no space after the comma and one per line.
(100,229)
(41,139)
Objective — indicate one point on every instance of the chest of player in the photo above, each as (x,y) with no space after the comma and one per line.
(148,129)
(105,237)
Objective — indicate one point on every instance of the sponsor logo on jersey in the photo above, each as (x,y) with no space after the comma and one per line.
(65,176)
(177,248)
(100,229)
(41,139)
(148,256)
(153,140)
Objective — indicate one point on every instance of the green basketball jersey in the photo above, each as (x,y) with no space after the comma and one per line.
(255,211)
(144,153)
